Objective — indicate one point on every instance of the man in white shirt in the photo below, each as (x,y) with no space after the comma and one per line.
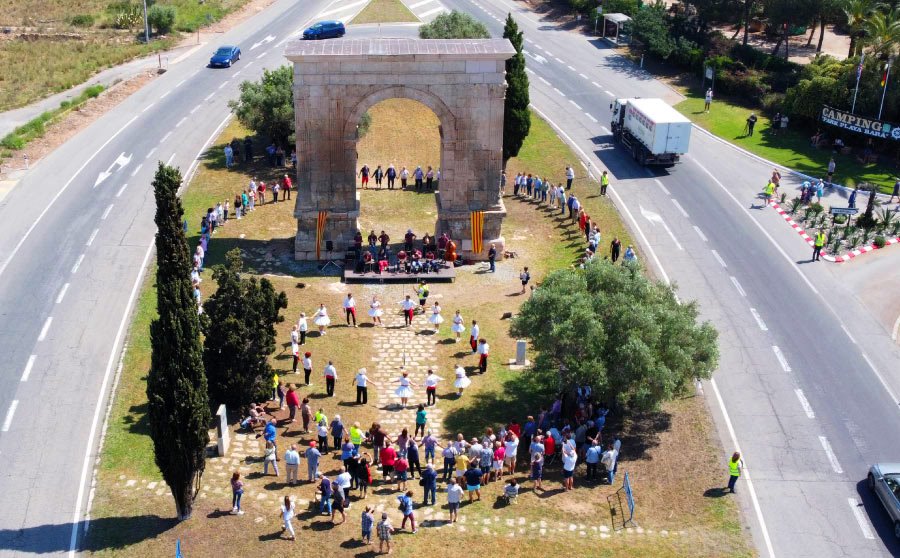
(570,176)
(483,349)
(362,386)
(307,364)
(609,458)
(409,307)
(454,496)
(473,337)
(431,381)
(350,309)
(342,483)
(292,460)
(330,377)
(475,448)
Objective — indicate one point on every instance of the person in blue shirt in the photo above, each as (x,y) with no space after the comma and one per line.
(269,432)
(429,483)
(406,507)
(592,458)
(326,490)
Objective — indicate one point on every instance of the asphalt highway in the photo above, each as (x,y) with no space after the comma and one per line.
(808,380)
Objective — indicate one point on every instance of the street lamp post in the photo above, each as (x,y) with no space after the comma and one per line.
(146,25)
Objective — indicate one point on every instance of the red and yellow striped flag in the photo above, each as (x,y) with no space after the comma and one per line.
(320,232)
(477,231)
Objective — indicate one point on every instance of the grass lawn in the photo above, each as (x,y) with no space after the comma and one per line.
(789,147)
(385,11)
(132,508)
(33,69)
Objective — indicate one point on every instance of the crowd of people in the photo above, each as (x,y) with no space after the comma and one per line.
(465,469)
(424,180)
(428,255)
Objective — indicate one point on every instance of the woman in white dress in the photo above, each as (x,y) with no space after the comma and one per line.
(404,392)
(458,326)
(462,382)
(375,311)
(436,319)
(321,319)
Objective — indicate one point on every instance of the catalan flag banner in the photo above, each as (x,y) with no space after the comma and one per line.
(884,76)
(320,232)
(477,231)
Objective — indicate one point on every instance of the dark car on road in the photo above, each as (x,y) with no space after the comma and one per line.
(225,56)
(325,30)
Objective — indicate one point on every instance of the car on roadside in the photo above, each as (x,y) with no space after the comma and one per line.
(884,481)
(225,56)
(331,29)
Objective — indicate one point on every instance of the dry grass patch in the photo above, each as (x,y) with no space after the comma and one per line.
(676,518)
(385,11)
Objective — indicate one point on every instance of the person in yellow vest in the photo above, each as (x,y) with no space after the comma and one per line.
(604,182)
(735,464)
(768,191)
(819,244)
(356,435)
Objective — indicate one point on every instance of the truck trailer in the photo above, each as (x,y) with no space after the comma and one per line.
(653,132)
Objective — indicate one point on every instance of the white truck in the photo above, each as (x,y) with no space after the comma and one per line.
(654,132)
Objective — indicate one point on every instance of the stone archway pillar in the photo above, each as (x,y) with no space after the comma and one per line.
(336,81)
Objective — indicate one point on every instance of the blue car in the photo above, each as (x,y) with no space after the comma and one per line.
(325,30)
(225,56)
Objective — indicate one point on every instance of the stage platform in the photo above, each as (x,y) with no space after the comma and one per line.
(443,275)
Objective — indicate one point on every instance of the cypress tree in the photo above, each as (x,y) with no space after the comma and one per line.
(516,115)
(239,326)
(176,385)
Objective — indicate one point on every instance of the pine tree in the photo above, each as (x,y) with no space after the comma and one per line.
(176,385)
(516,115)
(239,327)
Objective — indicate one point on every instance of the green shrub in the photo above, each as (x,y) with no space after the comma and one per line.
(627,7)
(364,123)
(805,99)
(879,242)
(651,27)
(12,141)
(840,219)
(773,102)
(128,16)
(687,54)
(93,91)
(82,20)
(748,84)
(455,25)
(162,18)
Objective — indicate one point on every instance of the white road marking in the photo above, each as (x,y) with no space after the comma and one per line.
(223,84)
(180,83)
(807,408)
(7,422)
(122,189)
(28,366)
(249,64)
(582,75)
(420,4)
(719,259)
(106,212)
(62,293)
(597,85)
(606,131)
(881,379)
(237,73)
(530,41)
(341,9)
(92,237)
(76,516)
(738,286)
(571,68)
(700,234)
(781,360)
(18,246)
(169,161)
(77,263)
(777,246)
(150,153)
(137,169)
(657,218)
(182,121)
(855,506)
(544,80)
(745,472)
(575,104)
(208,97)
(165,137)
(594,120)
(166,94)
(45,329)
(759,320)
(560,92)
(832,458)
(609,93)
(560,60)
(678,205)
(847,331)
(146,108)
(529,70)
(662,186)
(548,52)
(262,55)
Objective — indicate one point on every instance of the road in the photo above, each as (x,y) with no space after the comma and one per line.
(808,378)
(821,376)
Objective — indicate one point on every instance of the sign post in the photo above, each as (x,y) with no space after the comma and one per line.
(871,127)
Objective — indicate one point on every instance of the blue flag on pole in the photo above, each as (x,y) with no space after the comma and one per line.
(178,549)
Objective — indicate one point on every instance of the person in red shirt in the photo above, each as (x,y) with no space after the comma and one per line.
(293,401)
(401,466)
(388,459)
(549,445)
(515,428)
(286,188)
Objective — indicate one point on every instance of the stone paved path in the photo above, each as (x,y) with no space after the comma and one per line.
(396,346)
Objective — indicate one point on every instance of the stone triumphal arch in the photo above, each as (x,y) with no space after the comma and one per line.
(337,81)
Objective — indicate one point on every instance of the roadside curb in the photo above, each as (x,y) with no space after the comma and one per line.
(828,257)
